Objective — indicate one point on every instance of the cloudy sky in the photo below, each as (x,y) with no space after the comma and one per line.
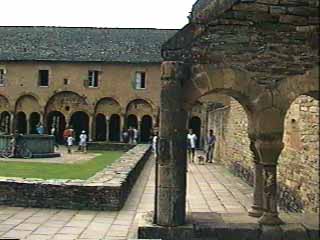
(96,13)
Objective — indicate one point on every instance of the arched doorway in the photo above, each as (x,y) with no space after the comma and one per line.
(114,128)
(195,125)
(5,122)
(21,122)
(101,127)
(132,121)
(79,121)
(146,127)
(33,122)
(57,120)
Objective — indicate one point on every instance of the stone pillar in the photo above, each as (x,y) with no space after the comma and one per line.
(171,186)
(107,129)
(257,206)
(12,123)
(28,123)
(91,128)
(269,151)
(139,129)
(121,127)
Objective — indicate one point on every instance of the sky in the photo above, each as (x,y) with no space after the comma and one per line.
(167,14)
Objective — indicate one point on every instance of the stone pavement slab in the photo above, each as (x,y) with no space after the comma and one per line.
(211,188)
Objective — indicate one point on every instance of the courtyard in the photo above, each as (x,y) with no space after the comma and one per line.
(211,188)
(77,165)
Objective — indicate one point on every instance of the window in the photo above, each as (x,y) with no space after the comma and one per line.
(93,78)
(2,76)
(43,78)
(66,81)
(140,80)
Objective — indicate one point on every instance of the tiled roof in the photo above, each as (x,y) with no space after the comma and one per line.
(117,45)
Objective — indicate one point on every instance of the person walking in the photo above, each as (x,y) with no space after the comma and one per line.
(54,134)
(211,140)
(192,140)
(135,135)
(83,141)
(155,144)
(70,140)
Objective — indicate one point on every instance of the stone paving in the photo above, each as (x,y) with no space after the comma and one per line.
(210,188)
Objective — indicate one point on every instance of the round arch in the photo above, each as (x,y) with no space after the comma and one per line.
(101,125)
(34,120)
(5,120)
(56,120)
(79,121)
(21,122)
(132,121)
(108,106)
(114,128)
(139,107)
(28,104)
(146,128)
(67,102)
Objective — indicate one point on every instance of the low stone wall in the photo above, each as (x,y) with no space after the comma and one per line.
(109,146)
(107,190)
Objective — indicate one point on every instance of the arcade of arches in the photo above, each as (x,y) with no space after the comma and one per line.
(103,122)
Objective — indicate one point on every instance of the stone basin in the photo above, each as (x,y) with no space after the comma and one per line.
(41,146)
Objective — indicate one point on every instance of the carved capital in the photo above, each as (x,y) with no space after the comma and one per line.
(168,70)
(269,150)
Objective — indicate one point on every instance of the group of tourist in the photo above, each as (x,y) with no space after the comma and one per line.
(69,138)
(191,145)
(130,136)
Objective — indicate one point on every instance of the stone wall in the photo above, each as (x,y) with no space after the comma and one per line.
(107,190)
(299,161)
(109,146)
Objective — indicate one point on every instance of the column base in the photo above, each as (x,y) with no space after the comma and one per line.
(255,212)
(270,219)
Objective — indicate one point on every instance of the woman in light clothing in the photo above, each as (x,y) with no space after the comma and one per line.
(83,141)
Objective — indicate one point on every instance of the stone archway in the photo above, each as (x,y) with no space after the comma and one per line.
(132,121)
(5,121)
(110,109)
(79,122)
(34,120)
(114,128)
(67,103)
(101,125)
(21,123)
(195,125)
(146,128)
(57,120)
(139,107)
(5,117)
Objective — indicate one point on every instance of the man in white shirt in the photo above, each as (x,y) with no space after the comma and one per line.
(83,141)
(192,141)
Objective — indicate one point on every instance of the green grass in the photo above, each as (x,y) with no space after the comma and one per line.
(82,170)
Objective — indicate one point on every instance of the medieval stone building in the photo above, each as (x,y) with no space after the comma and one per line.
(98,80)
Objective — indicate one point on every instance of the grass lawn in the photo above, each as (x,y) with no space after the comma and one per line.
(82,170)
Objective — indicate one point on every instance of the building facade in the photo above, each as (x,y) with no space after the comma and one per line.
(98,80)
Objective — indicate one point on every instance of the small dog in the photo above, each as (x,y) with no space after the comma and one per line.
(201,160)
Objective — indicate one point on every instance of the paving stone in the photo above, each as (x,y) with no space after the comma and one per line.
(46,230)
(16,234)
(65,237)
(27,226)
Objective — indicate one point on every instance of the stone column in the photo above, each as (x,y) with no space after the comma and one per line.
(28,123)
(139,129)
(121,127)
(91,128)
(12,123)
(171,186)
(107,129)
(269,151)
(257,206)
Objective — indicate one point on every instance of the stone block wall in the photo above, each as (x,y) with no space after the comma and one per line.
(298,171)
(106,190)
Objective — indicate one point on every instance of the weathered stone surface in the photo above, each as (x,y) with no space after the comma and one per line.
(107,190)
(251,7)
(296,20)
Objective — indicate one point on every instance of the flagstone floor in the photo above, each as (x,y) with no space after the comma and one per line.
(211,188)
